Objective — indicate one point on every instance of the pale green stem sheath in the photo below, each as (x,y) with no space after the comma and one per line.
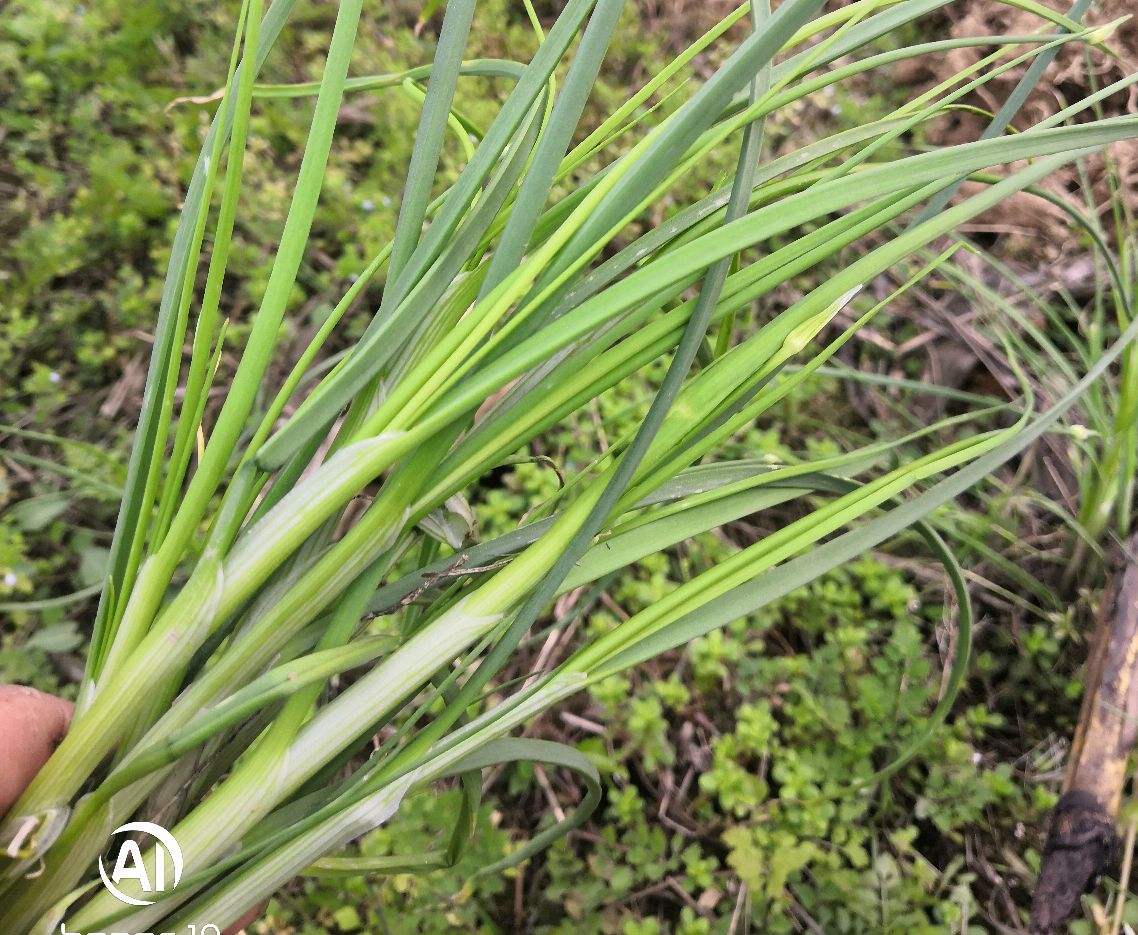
(274,770)
(73,856)
(282,865)
(213,593)
(330,576)
(89,741)
(334,573)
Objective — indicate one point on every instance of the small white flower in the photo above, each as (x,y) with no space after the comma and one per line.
(368,205)
(54,377)
(352,277)
(385,201)
(10,579)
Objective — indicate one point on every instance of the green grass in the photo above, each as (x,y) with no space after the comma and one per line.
(1102,435)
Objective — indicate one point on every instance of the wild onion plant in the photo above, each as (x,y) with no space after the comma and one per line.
(317,524)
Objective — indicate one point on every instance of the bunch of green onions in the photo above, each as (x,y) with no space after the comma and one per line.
(237,589)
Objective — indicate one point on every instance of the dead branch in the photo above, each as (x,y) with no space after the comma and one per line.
(1082,841)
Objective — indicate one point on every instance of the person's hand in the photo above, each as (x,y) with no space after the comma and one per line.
(32,723)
